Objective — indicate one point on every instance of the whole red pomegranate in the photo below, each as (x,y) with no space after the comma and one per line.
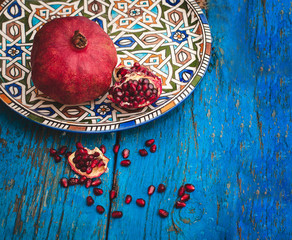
(72,60)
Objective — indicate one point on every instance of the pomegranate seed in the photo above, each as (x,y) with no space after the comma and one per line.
(82,180)
(189,187)
(73,181)
(136,65)
(53,152)
(181,191)
(100,164)
(79,145)
(102,149)
(97,191)
(126,153)
(180,204)
(88,182)
(89,201)
(88,170)
(161,188)
(94,163)
(62,150)
(128,199)
(57,158)
(185,197)
(116,148)
(117,214)
(64,182)
(96,182)
(149,142)
(100,209)
(140,202)
(67,155)
(143,152)
(153,148)
(125,163)
(113,194)
(151,190)
(96,154)
(162,213)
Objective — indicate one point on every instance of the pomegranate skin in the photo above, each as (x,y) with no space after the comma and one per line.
(66,73)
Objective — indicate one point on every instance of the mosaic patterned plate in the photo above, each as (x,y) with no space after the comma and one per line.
(171,37)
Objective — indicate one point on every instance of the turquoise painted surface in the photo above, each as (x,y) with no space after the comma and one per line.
(231,139)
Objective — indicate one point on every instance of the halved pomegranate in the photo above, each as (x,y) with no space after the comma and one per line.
(134,87)
(88,163)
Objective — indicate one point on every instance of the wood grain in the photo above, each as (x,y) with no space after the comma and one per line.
(231,138)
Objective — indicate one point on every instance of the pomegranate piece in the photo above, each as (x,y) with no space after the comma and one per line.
(180,204)
(73,181)
(140,202)
(96,182)
(126,153)
(88,182)
(117,214)
(100,209)
(128,199)
(113,194)
(103,149)
(85,75)
(185,197)
(162,213)
(53,152)
(116,148)
(62,150)
(149,142)
(134,87)
(181,191)
(143,152)
(125,163)
(57,158)
(64,182)
(151,190)
(153,148)
(88,163)
(97,191)
(161,188)
(189,187)
(79,145)
(89,201)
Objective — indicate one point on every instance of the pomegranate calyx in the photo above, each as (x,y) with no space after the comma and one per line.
(79,40)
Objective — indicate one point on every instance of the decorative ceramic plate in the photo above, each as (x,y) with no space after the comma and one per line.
(171,37)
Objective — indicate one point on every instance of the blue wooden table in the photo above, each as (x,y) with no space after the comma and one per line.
(231,139)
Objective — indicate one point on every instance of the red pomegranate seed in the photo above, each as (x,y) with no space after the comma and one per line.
(67,155)
(82,180)
(128,199)
(73,181)
(89,201)
(181,191)
(126,153)
(153,148)
(189,187)
(53,152)
(116,148)
(88,170)
(117,214)
(62,150)
(102,149)
(97,191)
(140,202)
(79,145)
(100,164)
(143,152)
(94,163)
(88,182)
(151,190)
(113,194)
(57,158)
(100,209)
(180,204)
(185,197)
(64,182)
(162,213)
(125,163)
(161,188)
(96,182)
(149,142)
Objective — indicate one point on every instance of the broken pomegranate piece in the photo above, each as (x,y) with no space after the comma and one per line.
(134,87)
(88,163)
